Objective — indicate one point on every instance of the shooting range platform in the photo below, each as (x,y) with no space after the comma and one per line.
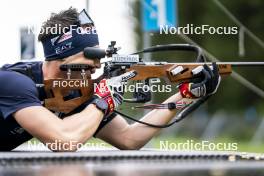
(143,162)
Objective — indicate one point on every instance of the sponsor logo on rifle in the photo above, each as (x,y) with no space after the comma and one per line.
(73,83)
(125,58)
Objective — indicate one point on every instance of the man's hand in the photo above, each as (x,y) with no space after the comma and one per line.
(207,85)
(111,90)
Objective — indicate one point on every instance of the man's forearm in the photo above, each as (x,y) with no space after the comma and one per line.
(49,129)
(138,134)
(82,126)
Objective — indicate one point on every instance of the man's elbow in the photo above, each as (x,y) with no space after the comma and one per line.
(64,142)
(130,144)
(62,145)
(131,147)
(128,141)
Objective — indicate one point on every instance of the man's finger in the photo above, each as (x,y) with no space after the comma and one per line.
(215,69)
(209,70)
(207,76)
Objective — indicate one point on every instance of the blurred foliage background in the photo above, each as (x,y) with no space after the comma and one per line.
(235,113)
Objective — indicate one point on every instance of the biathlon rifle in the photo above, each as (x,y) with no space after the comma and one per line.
(118,64)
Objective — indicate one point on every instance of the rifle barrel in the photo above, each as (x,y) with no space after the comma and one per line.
(243,64)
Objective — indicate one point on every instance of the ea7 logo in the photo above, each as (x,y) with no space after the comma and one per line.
(63,48)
